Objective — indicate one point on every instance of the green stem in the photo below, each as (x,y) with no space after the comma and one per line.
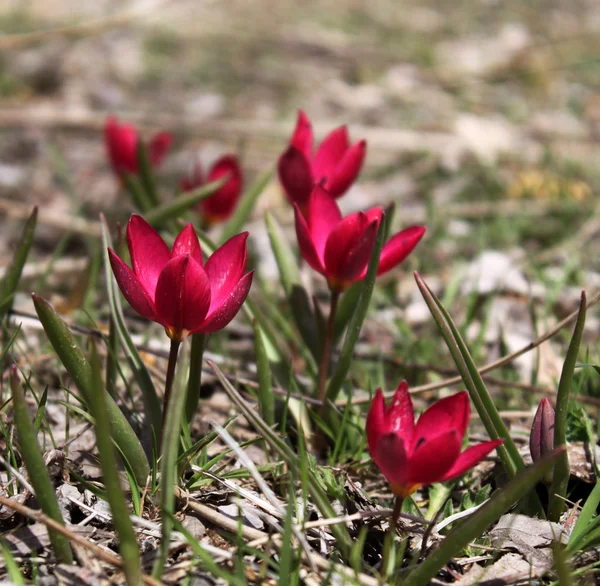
(173,351)
(36,469)
(391,533)
(174,410)
(319,440)
(195,377)
(326,355)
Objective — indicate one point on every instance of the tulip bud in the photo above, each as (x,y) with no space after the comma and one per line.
(541,439)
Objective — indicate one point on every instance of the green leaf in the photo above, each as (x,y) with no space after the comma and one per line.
(137,193)
(128,546)
(73,359)
(560,477)
(237,222)
(12,568)
(174,208)
(36,468)
(266,398)
(360,313)
(585,519)
(152,404)
(195,376)
(11,279)
(478,392)
(476,524)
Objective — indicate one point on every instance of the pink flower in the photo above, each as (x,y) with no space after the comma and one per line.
(411,456)
(220,205)
(335,166)
(174,287)
(340,248)
(121,143)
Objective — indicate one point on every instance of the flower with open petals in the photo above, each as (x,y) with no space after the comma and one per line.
(220,205)
(175,287)
(411,456)
(121,143)
(335,165)
(340,247)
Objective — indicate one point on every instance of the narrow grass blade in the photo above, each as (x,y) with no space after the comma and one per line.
(266,398)
(358,317)
(585,518)
(36,469)
(146,174)
(195,376)
(39,416)
(175,412)
(11,279)
(237,222)
(12,568)
(174,208)
(320,499)
(152,404)
(298,299)
(346,309)
(73,359)
(508,453)
(560,476)
(128,546)
(477,523)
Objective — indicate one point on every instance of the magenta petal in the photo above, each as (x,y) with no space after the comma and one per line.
(148,251)
(322,216)
(399,247)
(305,243)
(330,153)
(220,316)
(131,288)
(221,204)
(349,247)
(121,143)
(431,459)
(295,175)
(182,295)
(347,170)
(225,268)
(391,458)
(400,415)
(470,458)
(187,243)
(303,135)
(376,421)
(449,413)
(159,146)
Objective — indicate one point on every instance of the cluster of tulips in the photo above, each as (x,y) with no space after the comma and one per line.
(192,295)
(186,295)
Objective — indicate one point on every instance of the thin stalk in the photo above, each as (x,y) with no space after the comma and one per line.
(326,356)
(111,358)
(195,376)
(36,469)
(174,411)
(391,532)
(173,351)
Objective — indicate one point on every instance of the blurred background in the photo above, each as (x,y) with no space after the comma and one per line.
(482,118)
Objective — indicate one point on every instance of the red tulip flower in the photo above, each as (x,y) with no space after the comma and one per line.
(121,143)
(174,287)
(335,165)
(411,456)
(220,205)
(340,248)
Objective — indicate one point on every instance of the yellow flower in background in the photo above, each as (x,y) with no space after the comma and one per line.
(540,184)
